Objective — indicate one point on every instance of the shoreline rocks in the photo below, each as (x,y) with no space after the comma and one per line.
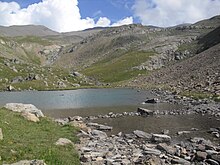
(140,147)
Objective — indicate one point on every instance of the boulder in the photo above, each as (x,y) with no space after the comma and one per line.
(10,88)
(178,160)
(166,148)
(100,126)
(142,134)
(211,162)
(77,74)
(216,158)
(19,107)
(63,142)
(30,117)
(152,101)
(98,134)
(17,79)
(200,156)
(144,111)
(160,138)
(151,151)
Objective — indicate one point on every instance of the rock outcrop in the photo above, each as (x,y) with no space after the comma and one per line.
(28,111)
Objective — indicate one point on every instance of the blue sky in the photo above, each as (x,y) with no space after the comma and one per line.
(73,15)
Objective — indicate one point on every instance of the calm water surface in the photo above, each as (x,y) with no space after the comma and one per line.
(86,102)
(72,99)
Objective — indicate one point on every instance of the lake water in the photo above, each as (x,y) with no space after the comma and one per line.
(73,99)
(83,102)
(86,102)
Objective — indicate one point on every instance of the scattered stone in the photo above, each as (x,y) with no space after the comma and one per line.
(152,101)
(183,132)
(10,88)
(160,138)
(166,148)
(200,156)
(99,134)
(18,79)
(77,74)
(216,158)
(211,162)
(178,160)
(152,151)
(63,142)
(142,134)
(100,126)
(165,132)
(145,112)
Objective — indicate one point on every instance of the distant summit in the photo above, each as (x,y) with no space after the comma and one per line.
(26,30)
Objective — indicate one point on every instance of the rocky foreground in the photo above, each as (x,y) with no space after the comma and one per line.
(139,147)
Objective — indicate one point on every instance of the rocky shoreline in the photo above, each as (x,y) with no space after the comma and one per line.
(139,147)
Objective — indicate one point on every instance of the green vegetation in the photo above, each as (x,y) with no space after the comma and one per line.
(32,39)
(25,140)
(48,77)
(120,68)
(196,95)
(192,47)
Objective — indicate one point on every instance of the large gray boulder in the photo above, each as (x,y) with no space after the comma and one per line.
(21,108)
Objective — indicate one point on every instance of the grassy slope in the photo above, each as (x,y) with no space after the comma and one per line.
(51,75)
(24,140)
(118,69)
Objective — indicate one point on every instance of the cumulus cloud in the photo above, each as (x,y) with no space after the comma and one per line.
(58,15)
(173,12)
(126,21)
(103,22)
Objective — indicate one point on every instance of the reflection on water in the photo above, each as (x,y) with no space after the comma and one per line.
(171,123)
(94,111)
(49,100)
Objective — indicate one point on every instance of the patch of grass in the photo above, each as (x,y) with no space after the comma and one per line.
(119,68)
(32,39)
(24,140)
(192,47)
(196,95)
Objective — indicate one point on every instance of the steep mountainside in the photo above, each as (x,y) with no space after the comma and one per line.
(106,55)
(196,75)
(120,53)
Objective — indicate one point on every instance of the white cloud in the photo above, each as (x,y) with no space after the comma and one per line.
(173,12)
(58,15)
(126,21)
(103,22)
